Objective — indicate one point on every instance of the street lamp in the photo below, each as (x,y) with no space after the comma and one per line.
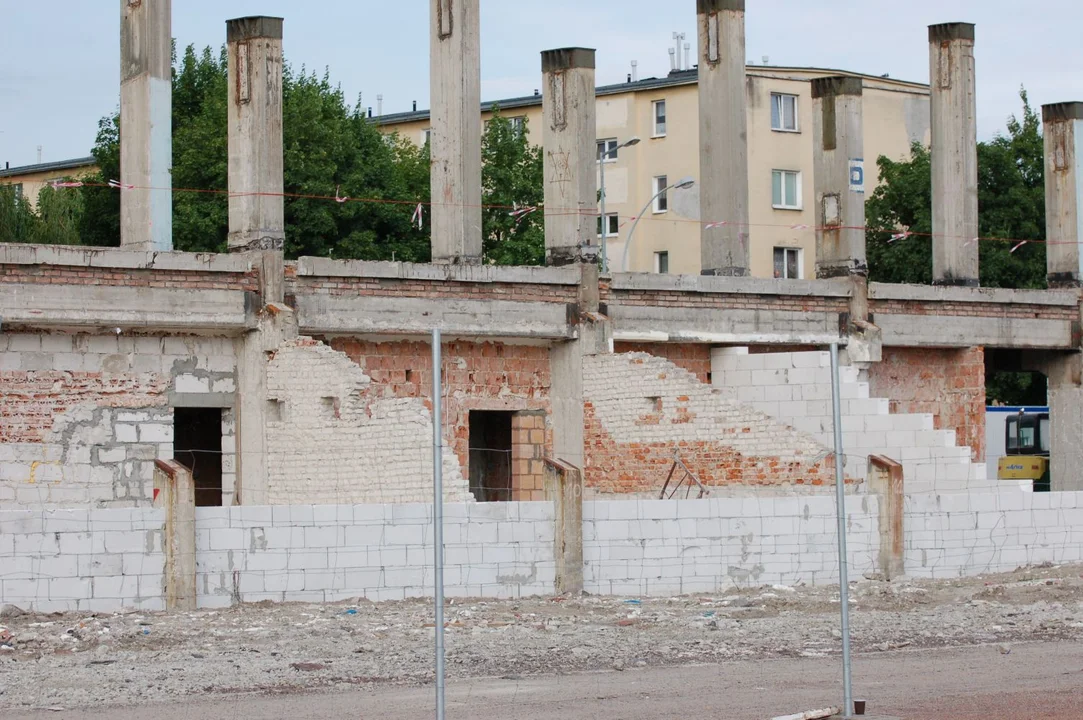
(684,184)
(605,221)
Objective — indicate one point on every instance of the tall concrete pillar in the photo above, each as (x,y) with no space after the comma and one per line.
(455,145)
(256,215)
(569,142)
(838,168)
(954,154)
(723,138)
(1063,125)
(146,125)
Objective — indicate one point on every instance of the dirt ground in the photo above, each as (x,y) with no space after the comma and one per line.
(91,660)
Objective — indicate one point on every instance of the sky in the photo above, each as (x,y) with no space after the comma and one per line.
(60,64)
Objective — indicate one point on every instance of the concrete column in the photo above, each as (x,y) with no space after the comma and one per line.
(569,141)
(954,154)
(256,220)
(723,138)
(1065,375)
(839,176)
(1063,125)
(455,146)
(564,488)
(146,125)
(175,491)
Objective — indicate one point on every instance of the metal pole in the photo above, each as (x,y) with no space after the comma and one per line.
(605,221)
(840,496)
(438,516)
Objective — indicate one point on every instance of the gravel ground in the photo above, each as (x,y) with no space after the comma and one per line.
(88,660)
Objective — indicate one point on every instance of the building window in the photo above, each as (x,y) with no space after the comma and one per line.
(658,188)
(608,149)
(661,262)
(659,118)
(612,225)
(783,112)
(786,189)
(788,263)
(518,124)
(18,190)
(426,136)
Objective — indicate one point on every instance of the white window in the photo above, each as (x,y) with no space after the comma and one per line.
(659,118)
(608,149)
(783,112)
(786,189)
(788,263)
(426,136)
(518,124)
(661,262)
(612,225)
(658,187)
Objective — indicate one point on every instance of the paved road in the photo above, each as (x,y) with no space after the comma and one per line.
(1032,681)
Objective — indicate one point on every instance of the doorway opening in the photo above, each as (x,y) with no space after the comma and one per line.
(490,455)
(197,444)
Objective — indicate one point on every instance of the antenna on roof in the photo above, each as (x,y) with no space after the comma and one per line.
(688,56)
(379,105)
(672,60)
(635,70)
(766,60)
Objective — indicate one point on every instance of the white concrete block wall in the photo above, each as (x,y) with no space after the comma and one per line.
(795,388)
(329,553)
(674,547)
(333,442)
(82,560)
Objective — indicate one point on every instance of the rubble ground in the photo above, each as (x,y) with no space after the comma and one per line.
(93,659)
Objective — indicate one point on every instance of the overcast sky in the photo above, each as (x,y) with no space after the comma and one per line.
(60,69)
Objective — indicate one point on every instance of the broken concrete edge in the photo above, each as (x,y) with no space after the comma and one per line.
(1062,111)
(709,338)
(250,28)
(326,267)
(946,32)
(704,7)
(949,293)
(103,257)
(170,467)
(729,285)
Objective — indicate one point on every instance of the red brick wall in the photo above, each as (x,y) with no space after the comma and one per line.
(948,384)
(31,400)
(973,309)
(696,359)
(477,376)
(128,277)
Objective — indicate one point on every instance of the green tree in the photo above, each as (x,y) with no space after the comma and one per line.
(512,176)
(17,220)
(58,217)
(1011,205)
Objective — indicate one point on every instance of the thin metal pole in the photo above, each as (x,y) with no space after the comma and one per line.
(438,516)
(840,496)
(605,220)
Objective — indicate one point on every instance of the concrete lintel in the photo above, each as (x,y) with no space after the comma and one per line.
(953,331)
(709,6)
(201,400)
(946,32)
(102,257)
(718,284)
(96,306)
(567,58)
(835,85)
(718,338)
(250,28)
(326,267)
(1062,112)
(946,293)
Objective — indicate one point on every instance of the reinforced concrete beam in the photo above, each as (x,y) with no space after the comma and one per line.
(954,154)
(146,125)
(569,143)
(256,213)
(1063,124)
(455,145)
(723,138)
(839,176)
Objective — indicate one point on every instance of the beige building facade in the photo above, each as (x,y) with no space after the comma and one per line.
(30,179)
(663,114)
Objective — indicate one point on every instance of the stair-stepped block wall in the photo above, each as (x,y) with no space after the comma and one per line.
(795,389)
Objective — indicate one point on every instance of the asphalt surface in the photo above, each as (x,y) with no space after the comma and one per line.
(1037,680)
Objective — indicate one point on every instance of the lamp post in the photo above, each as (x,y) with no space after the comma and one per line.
(684,184)
(605,222)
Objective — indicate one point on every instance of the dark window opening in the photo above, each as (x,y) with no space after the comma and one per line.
(197,444)
(490,455)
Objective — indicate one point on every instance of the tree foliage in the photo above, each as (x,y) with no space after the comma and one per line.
(512,177)
(1011,205)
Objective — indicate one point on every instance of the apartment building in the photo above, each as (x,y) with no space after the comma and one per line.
(30,179)
(664,114)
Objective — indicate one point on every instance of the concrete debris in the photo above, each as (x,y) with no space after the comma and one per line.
(282,647)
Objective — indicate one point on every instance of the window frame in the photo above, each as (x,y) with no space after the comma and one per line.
(426,137)
(777,97)
(654,118)
(600,155)
(518,124)
(786,249)
(798,190)
(657,204)
(659,256)
(614,225)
